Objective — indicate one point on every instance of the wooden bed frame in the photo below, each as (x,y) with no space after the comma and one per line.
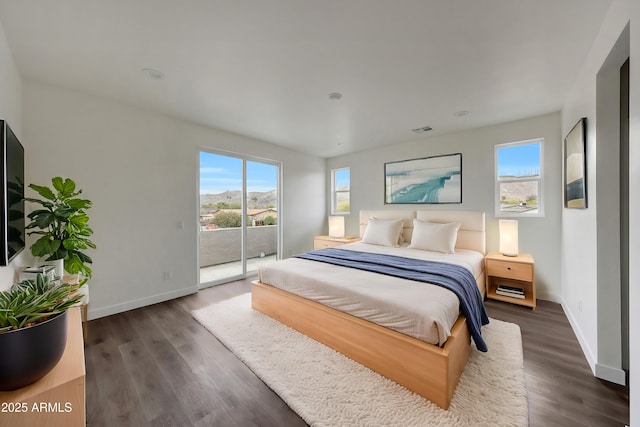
(431,371)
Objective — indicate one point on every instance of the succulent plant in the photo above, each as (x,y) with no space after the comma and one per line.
(30,302)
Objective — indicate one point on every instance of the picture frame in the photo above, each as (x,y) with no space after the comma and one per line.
(426,180)
(575,166)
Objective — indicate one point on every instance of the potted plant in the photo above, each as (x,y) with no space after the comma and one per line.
(33,329)
(62,225)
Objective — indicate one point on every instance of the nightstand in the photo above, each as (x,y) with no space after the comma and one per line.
(511,279)
(321,242)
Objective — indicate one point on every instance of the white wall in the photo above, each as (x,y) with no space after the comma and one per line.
(585,257)
(538,236)
(140,170)
(11,111)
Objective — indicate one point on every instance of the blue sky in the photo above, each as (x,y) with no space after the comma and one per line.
(519,160)
(222,173)
(342,177)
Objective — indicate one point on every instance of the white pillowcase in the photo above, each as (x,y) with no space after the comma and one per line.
(384,232)
(431,236)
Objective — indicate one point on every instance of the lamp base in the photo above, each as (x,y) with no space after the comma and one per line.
(514,255)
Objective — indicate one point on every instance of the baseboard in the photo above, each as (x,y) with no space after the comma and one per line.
(586,350)
(96,313)
(614,375)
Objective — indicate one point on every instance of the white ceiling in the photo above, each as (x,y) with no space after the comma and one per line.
(265,68)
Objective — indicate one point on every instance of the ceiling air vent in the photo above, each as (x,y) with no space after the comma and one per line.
(421,130)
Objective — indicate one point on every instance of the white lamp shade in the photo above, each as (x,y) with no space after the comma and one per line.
(336,226)
(509,237)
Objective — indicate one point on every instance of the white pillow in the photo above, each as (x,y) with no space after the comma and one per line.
(384,232)
(431,236)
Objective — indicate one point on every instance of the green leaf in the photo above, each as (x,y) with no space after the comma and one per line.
(84,257)
(37,212)
(44,203)
(77,263)
(79,203)
(64,211)
(85,271)
(79,220)
(73,264)
(61,253)
(43,191)
(42,219)
(44,246)
(57,184)
(84,231)
(68,187)
(74,243)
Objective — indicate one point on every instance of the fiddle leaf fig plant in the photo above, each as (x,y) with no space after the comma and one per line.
(63,225)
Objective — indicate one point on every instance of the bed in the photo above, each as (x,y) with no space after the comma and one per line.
(428,358)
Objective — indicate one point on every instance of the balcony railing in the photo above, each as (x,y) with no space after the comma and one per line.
(224,245)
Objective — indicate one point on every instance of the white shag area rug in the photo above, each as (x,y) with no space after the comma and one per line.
(328,389)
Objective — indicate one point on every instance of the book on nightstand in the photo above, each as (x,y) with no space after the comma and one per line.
(510,291)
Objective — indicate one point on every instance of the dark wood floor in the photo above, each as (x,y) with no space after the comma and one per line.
(156,366)
(561,388)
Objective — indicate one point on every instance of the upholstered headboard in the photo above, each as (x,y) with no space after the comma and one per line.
(471,235)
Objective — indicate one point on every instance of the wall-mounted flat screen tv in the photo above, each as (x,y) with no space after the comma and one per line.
(12,221)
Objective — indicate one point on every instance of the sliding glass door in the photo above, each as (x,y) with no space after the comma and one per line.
(262,214)
(239,227)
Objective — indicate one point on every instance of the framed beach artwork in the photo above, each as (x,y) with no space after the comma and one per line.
(575,166)
(435,179)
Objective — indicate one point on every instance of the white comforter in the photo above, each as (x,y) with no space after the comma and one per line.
(421,310)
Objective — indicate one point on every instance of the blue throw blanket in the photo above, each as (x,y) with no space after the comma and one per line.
(453,277)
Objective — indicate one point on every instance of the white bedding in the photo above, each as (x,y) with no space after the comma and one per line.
(421,310)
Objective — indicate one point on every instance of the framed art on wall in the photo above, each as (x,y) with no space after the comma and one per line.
(575,166)
(435,179)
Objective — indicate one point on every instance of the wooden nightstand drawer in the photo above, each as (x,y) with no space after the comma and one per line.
(321,244)
(510,270)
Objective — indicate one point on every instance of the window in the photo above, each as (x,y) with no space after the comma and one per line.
(519,179)
(340,191)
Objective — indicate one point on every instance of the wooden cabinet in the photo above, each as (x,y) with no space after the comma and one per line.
(321,242)
(57,399)
(511,272)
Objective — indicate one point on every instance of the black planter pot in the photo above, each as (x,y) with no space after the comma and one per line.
(28,354)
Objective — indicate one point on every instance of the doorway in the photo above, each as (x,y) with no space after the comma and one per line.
(238,201)
(611,153)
